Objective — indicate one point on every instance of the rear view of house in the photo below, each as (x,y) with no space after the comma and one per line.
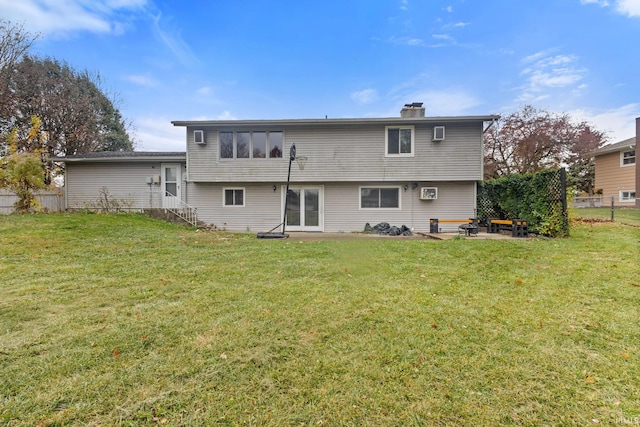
(401,170)
(348,172)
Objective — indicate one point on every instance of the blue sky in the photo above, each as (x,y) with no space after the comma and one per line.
(229,59)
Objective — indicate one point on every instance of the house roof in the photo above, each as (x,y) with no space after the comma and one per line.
(344,121)
(618,146)
(115,156)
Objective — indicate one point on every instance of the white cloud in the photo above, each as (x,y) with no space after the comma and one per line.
(205,90)
(408,41)
(173,41)
(62,17)
(544,72)
(601,3)
(226,115)
(404,4)
(442,37)
(445,102)
(365,96)
(619,123)
(158,134)
(142,80)
(630,8)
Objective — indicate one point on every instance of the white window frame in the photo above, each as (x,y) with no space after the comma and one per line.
(224,197)
(378,209)
(250,132)
(386,141)
(200,133)
(632,158)
(435,130)
(627,198)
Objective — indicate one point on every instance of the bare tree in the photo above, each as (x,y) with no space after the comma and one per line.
(15,42)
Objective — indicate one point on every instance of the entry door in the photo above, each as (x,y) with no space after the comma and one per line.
(171,184)
(305,209)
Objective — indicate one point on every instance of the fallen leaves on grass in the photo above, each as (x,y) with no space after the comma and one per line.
(116,353)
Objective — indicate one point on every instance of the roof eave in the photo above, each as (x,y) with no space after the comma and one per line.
(345,121)
(118,159)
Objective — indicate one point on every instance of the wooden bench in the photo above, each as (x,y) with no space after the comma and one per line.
(518,227)
(468,226)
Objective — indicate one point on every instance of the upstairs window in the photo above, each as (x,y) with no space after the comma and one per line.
(629,157)
(399,141)
(226,145)
(251,144)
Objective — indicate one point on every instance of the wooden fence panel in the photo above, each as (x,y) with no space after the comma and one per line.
(50,201)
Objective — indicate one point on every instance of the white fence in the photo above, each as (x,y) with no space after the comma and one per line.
(49,201)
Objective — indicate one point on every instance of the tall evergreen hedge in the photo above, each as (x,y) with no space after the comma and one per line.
(539,198)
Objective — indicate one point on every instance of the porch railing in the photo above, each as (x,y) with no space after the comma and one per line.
(182,210)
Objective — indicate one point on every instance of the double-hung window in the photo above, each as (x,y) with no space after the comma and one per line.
(233,197)
(627,196)
(379,197)
(399,141)
(251,144)
(628,158)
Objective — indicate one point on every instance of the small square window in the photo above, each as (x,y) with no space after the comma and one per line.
(233,197)
(438,133)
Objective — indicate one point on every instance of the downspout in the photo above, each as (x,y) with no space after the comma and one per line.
(66,194)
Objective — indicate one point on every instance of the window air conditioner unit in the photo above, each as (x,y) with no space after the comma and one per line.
(428,193)
(438,133)
(198,137)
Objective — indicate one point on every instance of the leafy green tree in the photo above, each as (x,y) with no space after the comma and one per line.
(22,172)
(77,115)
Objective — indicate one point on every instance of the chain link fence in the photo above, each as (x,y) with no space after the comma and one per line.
(604,208)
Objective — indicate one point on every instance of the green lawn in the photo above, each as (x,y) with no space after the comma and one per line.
(622,215)
(125,320)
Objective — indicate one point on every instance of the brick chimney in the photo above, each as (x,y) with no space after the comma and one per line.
(412,110)
(637,163)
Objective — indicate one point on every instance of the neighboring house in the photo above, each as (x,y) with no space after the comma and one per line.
(401,170)
(616,172)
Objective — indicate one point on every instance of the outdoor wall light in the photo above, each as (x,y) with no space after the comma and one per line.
(414,185)
(406,187)
(274,188)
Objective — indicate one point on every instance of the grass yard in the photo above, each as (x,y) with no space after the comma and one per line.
(629,216)
(126,320)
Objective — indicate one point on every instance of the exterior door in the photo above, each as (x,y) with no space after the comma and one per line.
(305,209)
(171,185)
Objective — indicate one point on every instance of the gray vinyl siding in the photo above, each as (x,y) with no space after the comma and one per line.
(261,212)
(125,182)
(347,153)
(342,212)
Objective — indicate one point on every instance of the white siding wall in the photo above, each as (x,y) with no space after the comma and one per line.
(352,153)
(262,210)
